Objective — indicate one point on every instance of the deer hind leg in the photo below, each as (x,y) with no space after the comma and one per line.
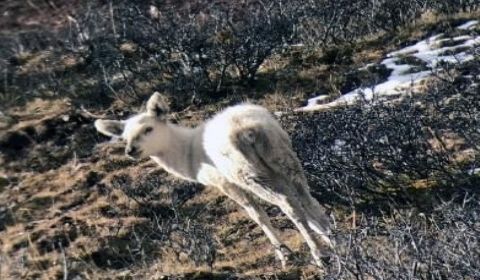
(316,217)
(290,202)
(281,169)
(256,213)
(292,207)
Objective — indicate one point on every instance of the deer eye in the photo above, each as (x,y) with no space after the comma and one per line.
(148,130)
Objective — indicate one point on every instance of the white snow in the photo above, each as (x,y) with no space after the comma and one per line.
(475,171)
(468,25)
(314,101)
(402,78)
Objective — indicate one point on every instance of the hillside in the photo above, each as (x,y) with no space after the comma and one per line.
(384,119)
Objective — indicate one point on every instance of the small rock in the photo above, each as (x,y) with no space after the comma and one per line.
(4,182)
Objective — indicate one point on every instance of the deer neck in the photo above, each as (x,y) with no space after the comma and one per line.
(181,151)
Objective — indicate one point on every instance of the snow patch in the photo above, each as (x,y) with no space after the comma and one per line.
(402,77)
(468,25)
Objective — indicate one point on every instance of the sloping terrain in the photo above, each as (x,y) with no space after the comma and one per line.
(399,177)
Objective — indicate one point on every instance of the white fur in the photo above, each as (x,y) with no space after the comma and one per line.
(243,152)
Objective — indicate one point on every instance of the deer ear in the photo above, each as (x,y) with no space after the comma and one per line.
(110,127)
(157,105)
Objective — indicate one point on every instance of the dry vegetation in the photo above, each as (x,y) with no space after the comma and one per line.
(400,179)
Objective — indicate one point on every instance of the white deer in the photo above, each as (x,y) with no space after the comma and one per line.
(242,151)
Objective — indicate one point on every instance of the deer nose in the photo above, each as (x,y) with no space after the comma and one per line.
(130,151)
